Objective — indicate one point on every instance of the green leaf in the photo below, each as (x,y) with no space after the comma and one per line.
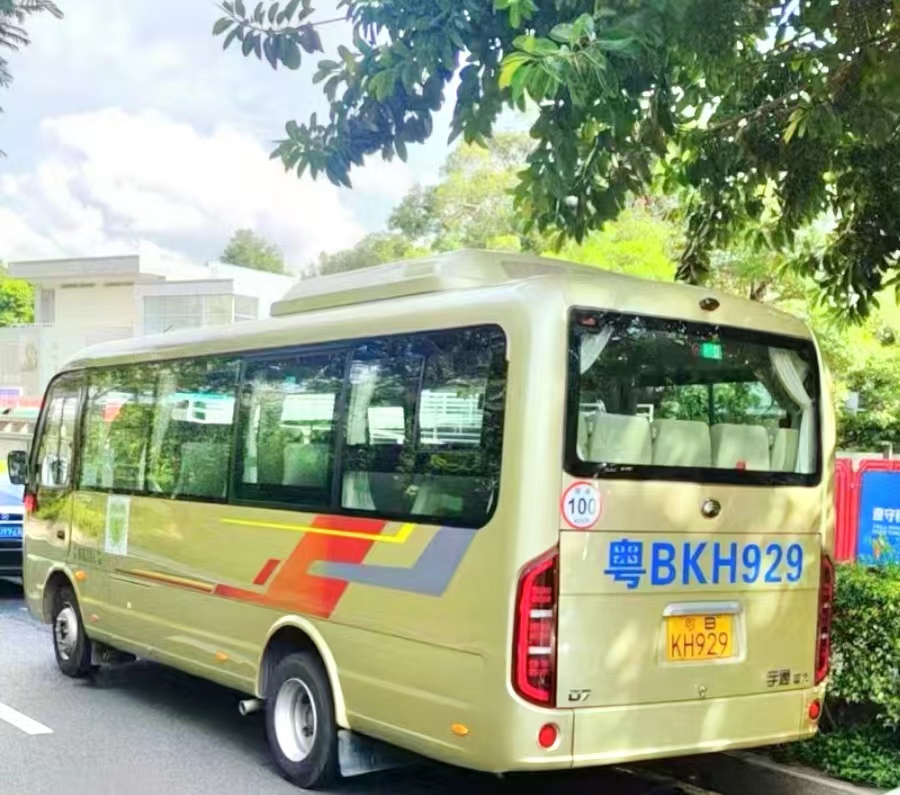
(347,56)
(271,54)
(231,37)
(222,25)
(562,33)
(239,8)
(511,64)
(257,46)
(290,9)
(248,45)
(259,15)
(331,87)
(291,56)
(273,13)
(400,146)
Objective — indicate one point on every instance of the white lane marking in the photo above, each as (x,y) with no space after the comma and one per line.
(22,722)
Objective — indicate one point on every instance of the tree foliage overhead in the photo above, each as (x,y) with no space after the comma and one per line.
(249,250)
(767,114)
(13,36)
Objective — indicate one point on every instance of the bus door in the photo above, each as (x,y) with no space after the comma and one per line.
(49,493)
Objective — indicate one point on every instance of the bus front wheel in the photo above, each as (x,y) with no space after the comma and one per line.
(300,723)
(71,644)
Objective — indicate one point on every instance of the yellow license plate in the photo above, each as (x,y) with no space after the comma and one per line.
(692,638)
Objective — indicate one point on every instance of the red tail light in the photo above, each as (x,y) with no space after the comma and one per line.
(29,502)
(823,629)
(534,642)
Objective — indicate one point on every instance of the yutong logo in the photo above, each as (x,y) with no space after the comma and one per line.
(703,562)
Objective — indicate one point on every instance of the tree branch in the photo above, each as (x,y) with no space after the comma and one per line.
(271,30)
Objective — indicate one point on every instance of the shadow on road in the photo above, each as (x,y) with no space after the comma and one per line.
(211,709)
(11,590)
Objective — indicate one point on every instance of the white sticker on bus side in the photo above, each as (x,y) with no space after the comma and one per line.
(118,510)
(581,505)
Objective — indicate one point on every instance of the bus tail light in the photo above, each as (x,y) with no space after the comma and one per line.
(823,628)
(29,502)
(534,637)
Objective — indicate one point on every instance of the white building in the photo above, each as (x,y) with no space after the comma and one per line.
(85,301)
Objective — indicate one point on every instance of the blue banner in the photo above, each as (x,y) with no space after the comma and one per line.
(879,518)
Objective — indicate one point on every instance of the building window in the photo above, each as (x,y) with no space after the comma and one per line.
(245,308)
(164,313)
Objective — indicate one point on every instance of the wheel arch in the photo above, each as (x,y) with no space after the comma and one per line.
(57,577)
(294,633)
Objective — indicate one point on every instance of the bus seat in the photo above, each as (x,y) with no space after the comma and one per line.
(785,449)
(681,443)
(621,439)
(204,469)
(306,465)
(356,492)
(746,445)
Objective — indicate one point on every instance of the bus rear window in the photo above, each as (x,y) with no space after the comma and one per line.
(666,399)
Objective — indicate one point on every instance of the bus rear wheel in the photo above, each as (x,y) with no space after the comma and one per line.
(70,642)
(300,724)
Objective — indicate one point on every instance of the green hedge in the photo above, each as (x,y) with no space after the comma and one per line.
(860,737)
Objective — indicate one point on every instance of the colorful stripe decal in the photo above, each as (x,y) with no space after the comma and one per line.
(362,529)
(266,571)
(430,575)
(168,579)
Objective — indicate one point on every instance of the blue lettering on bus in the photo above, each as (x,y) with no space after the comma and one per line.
(703,563)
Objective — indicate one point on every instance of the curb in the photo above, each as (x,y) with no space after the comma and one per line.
(742,773)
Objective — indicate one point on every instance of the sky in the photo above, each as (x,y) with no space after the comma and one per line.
(126,122)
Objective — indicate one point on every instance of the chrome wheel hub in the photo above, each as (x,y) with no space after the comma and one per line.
(65,630)
(295,720)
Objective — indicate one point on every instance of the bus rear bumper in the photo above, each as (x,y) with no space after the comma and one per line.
(636,732)
(600,736)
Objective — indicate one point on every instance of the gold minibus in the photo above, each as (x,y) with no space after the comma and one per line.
(501,511)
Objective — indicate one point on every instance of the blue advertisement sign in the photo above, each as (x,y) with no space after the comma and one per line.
(879,518)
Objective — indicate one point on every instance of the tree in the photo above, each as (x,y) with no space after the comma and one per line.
(373,249)
(729,101)
(13,36)
(472,206)
(16,300)
(249,250)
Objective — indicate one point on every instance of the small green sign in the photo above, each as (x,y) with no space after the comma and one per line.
(711,350)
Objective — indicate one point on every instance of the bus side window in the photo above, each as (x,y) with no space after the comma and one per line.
(424,426)
(286,441)
(117,427)
(190,442)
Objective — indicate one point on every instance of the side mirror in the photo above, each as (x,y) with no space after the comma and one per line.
(17,467)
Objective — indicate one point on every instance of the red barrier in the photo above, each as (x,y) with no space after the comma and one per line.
(846,519)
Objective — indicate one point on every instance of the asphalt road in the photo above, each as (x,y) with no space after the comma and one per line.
(144,729)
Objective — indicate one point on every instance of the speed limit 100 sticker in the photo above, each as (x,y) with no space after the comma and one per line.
(581,505)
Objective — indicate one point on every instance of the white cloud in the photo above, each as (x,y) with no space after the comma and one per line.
(110,178)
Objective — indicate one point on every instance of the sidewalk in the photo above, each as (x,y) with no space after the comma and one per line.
(742,773)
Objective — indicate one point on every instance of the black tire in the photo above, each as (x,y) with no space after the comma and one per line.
(70,642)
(300,679)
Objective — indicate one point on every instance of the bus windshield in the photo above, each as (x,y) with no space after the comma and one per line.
(667,399)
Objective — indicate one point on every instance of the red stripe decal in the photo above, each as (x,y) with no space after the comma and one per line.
(266,571)
(349,524)
(295,590)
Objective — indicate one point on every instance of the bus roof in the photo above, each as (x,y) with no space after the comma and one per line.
(449,273)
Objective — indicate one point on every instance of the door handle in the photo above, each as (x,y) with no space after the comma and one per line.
(61,535)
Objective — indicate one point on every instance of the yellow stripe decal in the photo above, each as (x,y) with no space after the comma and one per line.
(399,537)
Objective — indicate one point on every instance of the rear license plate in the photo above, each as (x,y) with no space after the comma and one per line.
(11,531)
(692,638)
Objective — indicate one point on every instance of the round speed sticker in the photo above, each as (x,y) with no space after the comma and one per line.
(581,505)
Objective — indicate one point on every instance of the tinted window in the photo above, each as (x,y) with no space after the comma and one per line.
(424,426)
(652,395)
(286,450)
(117,428)
(55,453)
(191,437)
